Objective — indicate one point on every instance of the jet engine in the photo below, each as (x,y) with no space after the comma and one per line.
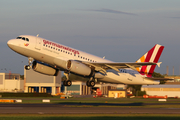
(44,69)
(74,66)
(79,68)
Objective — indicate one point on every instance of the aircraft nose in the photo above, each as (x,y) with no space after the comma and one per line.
(10,43)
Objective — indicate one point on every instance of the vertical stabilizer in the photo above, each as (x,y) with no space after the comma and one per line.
(152,55)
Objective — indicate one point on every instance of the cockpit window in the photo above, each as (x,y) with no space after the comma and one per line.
(27,39)
(18,37)
(23,38)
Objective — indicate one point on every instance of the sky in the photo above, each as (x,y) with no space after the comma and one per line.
(120,30)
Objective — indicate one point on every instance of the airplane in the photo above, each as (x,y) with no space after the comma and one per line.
(48,57)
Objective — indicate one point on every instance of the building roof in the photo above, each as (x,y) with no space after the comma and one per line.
(161,86)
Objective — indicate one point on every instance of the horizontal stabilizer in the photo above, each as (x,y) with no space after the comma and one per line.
(150,78)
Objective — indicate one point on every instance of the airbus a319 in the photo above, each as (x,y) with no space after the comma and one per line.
(48,58)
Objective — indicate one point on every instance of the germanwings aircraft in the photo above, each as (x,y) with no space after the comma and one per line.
(48,58)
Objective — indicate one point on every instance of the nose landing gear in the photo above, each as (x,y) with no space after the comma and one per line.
(30,60)
(67,82)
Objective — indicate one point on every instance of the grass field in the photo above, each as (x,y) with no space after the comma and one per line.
(92,100)
(92,117)
(103,102)
(127,101)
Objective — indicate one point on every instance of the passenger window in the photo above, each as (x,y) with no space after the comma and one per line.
(23,38)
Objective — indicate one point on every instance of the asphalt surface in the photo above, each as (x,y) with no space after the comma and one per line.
(83,109)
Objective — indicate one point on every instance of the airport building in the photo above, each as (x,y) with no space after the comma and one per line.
(10,82)
(77,88)
(40,83)
(80,88)
(117,93)
(162,90)
(106,87)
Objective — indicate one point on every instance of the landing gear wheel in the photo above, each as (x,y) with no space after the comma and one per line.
(64,83)
(90,83)
(27,67)
(67,83)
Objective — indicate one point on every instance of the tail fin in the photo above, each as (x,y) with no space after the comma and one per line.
(152,55)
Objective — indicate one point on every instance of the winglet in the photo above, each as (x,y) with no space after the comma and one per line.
(158,64)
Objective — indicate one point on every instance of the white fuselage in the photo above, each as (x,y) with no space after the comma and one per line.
(46,51)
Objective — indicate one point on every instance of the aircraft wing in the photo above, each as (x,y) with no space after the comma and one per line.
(116,66)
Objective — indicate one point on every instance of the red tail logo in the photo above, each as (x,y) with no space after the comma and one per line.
(152,55)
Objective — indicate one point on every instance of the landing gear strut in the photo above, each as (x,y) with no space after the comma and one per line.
(30,60)
(67,82)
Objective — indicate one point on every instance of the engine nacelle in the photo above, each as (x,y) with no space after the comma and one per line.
(79,68)
(44,69)
(73,66)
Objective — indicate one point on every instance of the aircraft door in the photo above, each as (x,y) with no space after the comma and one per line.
(38,43)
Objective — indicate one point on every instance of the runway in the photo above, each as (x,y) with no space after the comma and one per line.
(81,109)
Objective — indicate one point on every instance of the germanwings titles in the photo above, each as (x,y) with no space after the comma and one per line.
(48,58)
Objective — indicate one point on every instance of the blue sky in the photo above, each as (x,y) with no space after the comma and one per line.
(121,30)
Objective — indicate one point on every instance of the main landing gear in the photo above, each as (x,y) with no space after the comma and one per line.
(91,82)
(67,82)
(30,60)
